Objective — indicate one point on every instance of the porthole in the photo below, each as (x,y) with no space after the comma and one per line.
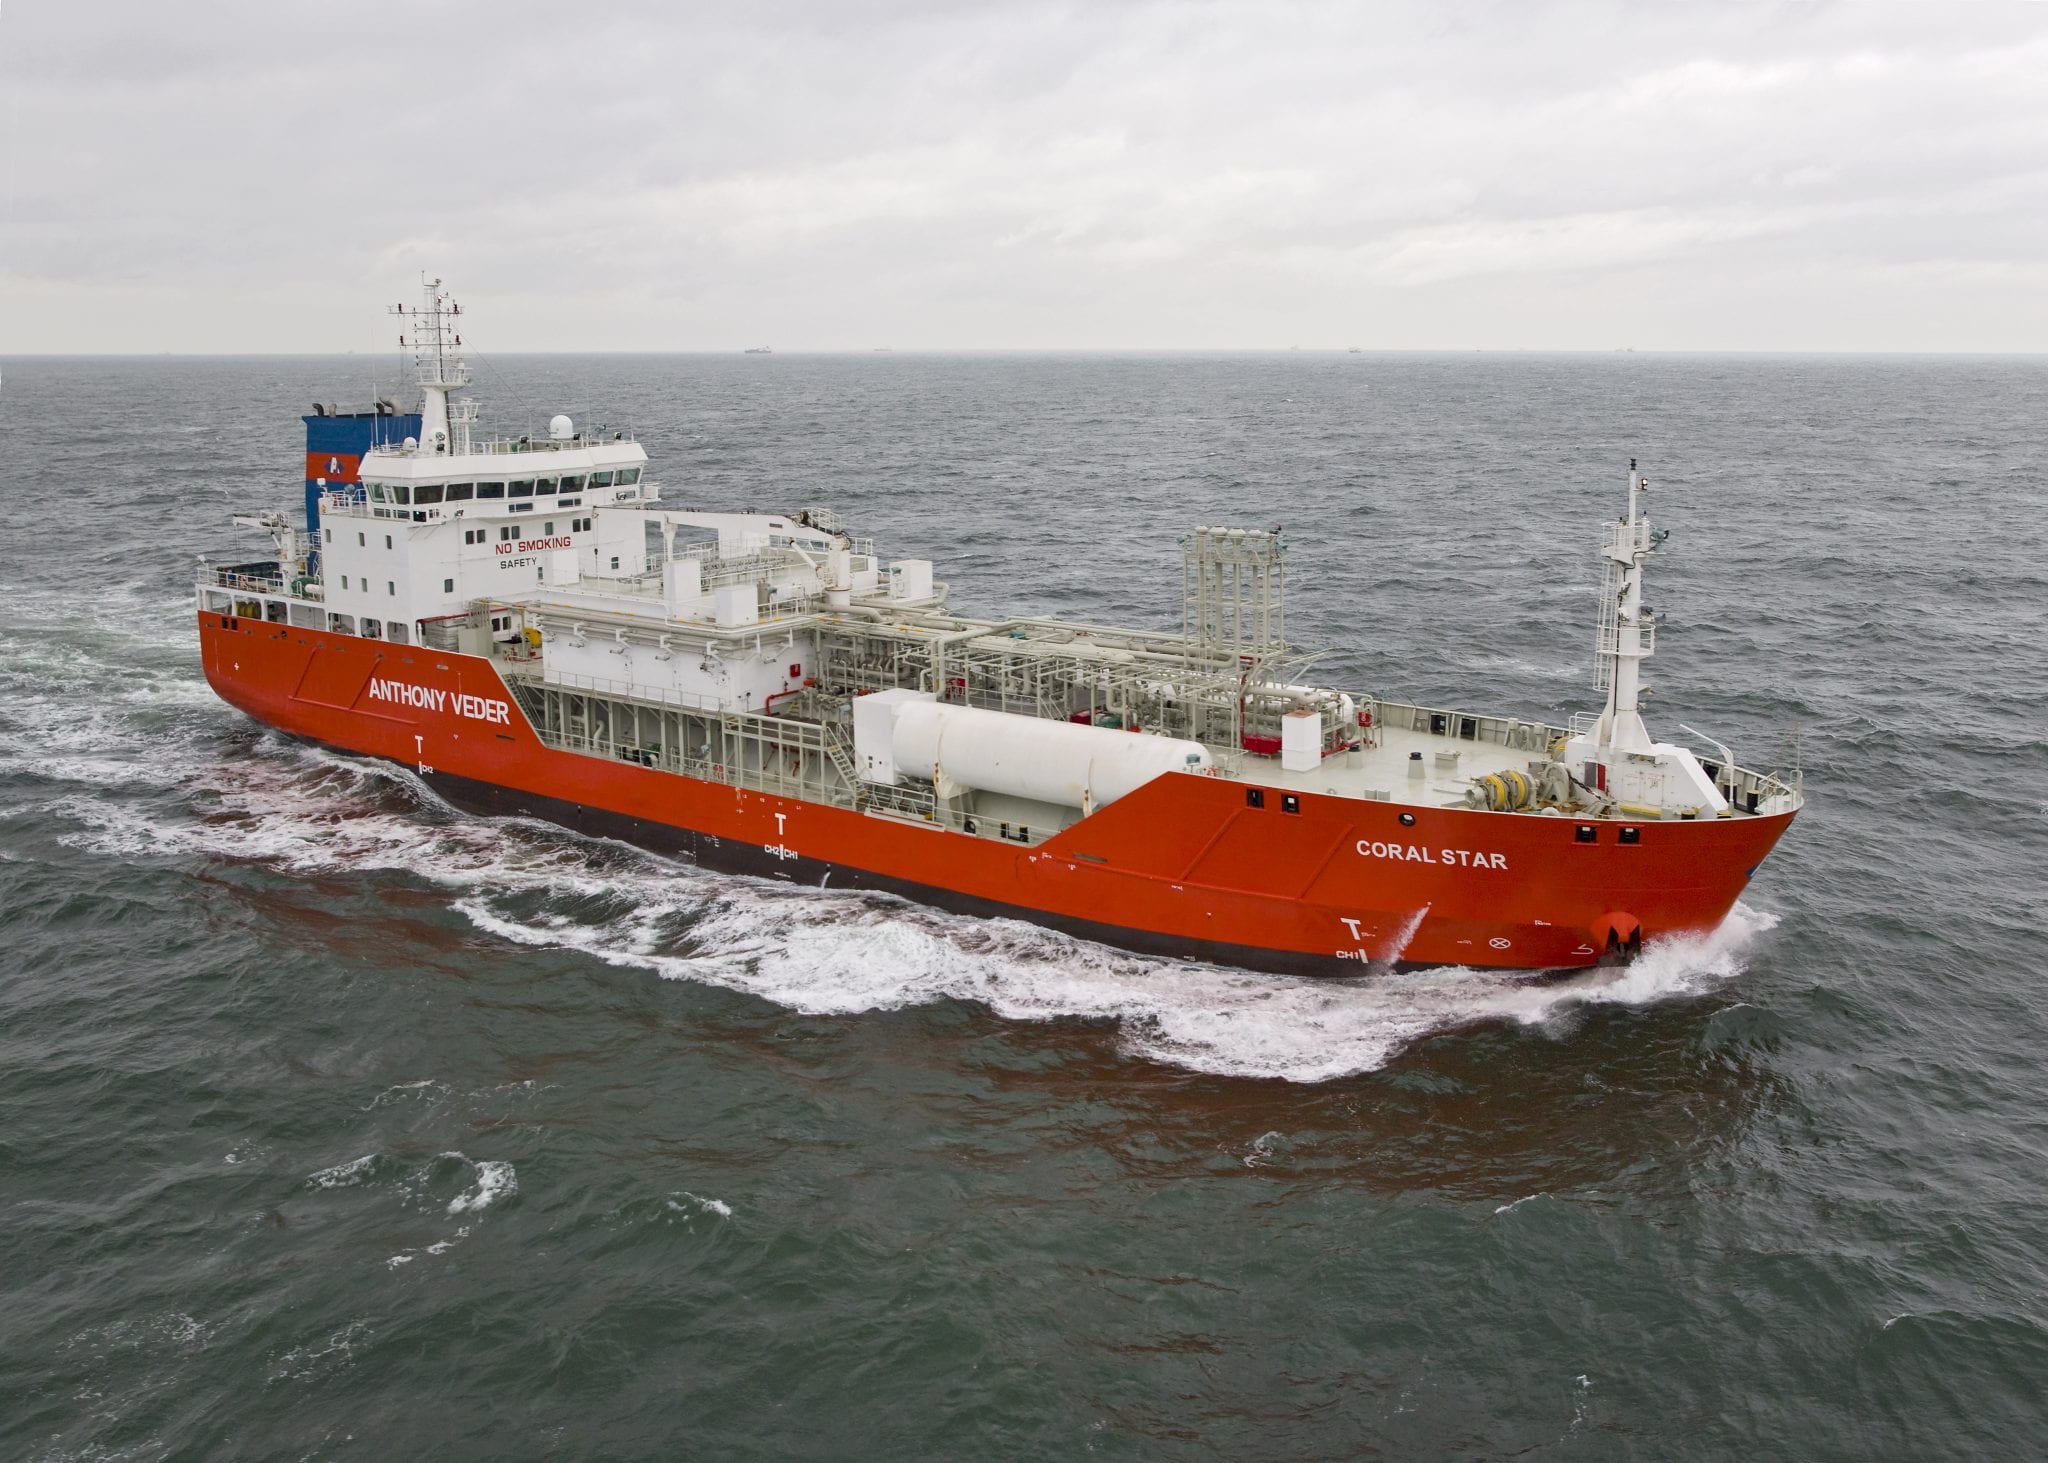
(1407,820)
(1289,803)
(1631,835)
(1586,833)
(1255,797)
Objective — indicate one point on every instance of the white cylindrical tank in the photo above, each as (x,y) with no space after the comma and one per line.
(1301,741)
(1029,757)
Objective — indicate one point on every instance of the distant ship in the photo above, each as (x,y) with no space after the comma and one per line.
(1353,351)
(758,350)
(530,625)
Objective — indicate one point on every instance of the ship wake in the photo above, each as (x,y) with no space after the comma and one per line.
(826,955)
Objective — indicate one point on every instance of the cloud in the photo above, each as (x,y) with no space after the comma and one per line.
(843,174)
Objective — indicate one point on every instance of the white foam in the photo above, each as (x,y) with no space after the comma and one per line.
(339,1344)
(837,954)
(710,1206)
(426,1088)
(343,1175)
(494,1180)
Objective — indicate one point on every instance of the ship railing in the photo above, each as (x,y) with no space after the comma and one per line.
(1229,761)
(1747,790)
(1468,726)
(908,800)
(634,691)
(344,501)
(505,446)
(1608,640)
(666,696)
(1625,540)
(739,568)
(791,607)
(743,749)
(245,577)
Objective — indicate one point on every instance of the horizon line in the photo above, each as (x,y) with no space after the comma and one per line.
(958,350)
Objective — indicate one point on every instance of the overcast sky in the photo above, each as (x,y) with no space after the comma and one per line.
(839,175)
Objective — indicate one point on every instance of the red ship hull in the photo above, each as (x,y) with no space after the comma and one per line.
(1181,867)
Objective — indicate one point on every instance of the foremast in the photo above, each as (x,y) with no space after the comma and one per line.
(1613,755)
(431,331)
(1628,629)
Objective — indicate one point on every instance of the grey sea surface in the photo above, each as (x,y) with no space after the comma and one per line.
(335,1123)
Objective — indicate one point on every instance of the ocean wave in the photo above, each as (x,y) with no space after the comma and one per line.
(495,1180)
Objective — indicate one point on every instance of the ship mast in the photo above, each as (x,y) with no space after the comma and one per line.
(1628,629)
(429,330)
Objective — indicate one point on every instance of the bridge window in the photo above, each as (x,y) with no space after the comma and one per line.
(544,487)
(459,492)
(600,480)
(400,493)
(490,490)
(377,493)
(427,493)
(521,487)
(572,484)
(628,476)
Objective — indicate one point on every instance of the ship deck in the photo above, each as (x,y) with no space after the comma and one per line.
(1390,770)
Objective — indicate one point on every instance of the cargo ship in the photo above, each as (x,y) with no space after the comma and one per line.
(531,625)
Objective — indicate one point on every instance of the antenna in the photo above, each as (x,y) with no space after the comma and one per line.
(429,331)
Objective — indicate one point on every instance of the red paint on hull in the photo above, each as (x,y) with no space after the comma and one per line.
(1182,864)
